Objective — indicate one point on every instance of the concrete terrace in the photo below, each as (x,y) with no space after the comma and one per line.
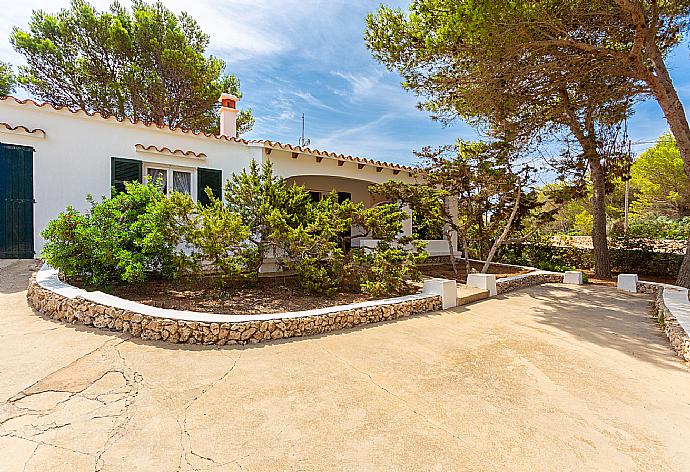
(553,377)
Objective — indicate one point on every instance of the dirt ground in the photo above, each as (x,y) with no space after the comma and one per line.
(550,378)
(613,280)
(445,270)
(206,294)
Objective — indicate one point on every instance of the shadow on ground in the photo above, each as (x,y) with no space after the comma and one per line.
(605,317)
(14,274)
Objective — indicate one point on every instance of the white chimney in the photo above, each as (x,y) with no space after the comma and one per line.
(228,115)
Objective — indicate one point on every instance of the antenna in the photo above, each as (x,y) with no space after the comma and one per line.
(303,142)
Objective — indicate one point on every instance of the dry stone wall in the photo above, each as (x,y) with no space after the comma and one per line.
(81,311)
(671,307)
(527,280)
(52,298)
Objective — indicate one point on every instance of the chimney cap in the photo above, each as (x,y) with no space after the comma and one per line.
(228,100)
(228,96)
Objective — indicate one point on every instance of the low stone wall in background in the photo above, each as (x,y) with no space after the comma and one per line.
(527,280)
(80,311)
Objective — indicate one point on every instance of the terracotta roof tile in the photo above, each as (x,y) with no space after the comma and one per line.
(152,148)
(131,121)
(24,129)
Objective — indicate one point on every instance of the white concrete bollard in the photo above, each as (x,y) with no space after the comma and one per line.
(627,282)
(448,289)
(483,281)
(573,277)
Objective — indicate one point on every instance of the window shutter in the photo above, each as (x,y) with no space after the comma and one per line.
(124,170)
(211,178)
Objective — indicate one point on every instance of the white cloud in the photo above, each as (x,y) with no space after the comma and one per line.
(239,29)
(312,100)
(362,86)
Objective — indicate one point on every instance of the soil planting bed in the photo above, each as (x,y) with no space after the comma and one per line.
(206,294)
(613,281)
(445,270)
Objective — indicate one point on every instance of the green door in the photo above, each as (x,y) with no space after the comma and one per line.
(16,202)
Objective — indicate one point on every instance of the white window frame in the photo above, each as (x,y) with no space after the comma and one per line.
(169,171)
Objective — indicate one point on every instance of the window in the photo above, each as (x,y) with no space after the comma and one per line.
(317,195)
(170,178)
(182,182)
(158,177)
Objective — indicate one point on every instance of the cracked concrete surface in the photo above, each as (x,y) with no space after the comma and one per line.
(548,378)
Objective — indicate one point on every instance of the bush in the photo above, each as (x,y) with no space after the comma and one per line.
(138,234)
(386,270)
(545,257)
(659,227)
(128,238)
(631,256)
(316,249)
(217,236)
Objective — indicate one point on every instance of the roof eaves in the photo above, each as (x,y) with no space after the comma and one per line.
(316,152)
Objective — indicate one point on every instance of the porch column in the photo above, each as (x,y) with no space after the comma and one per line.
(407,224)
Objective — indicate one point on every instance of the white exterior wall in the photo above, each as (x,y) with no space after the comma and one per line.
(74,158)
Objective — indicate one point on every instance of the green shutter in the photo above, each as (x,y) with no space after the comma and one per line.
(211,178)
(124,170)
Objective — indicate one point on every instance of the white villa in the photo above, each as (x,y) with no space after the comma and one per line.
(52,157)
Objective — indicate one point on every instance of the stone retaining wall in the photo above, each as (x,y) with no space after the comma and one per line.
(672,308)
(650,288)
(677,336)
(75,309)
(527,280)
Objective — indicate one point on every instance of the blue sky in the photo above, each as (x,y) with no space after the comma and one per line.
(301,56)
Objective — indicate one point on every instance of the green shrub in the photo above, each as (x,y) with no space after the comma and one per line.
(217,236)
(316,250)
(387,270)
(127,238)
(138,234)
(546,257)
(632,256)
(659,227)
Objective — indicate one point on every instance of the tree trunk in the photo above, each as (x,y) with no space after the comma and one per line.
(466,250)
(585,133)
(683,278)
(602,261)
(662,86)
(451,250)
(480,231)
(448,229)
(506,231)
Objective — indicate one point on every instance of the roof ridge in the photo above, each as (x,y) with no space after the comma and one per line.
(96,114)
(264,142)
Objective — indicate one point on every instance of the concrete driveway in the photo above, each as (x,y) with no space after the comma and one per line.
(548,378)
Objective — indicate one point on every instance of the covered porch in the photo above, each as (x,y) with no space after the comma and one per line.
(357,190)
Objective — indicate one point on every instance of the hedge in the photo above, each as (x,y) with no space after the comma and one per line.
(623,260)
